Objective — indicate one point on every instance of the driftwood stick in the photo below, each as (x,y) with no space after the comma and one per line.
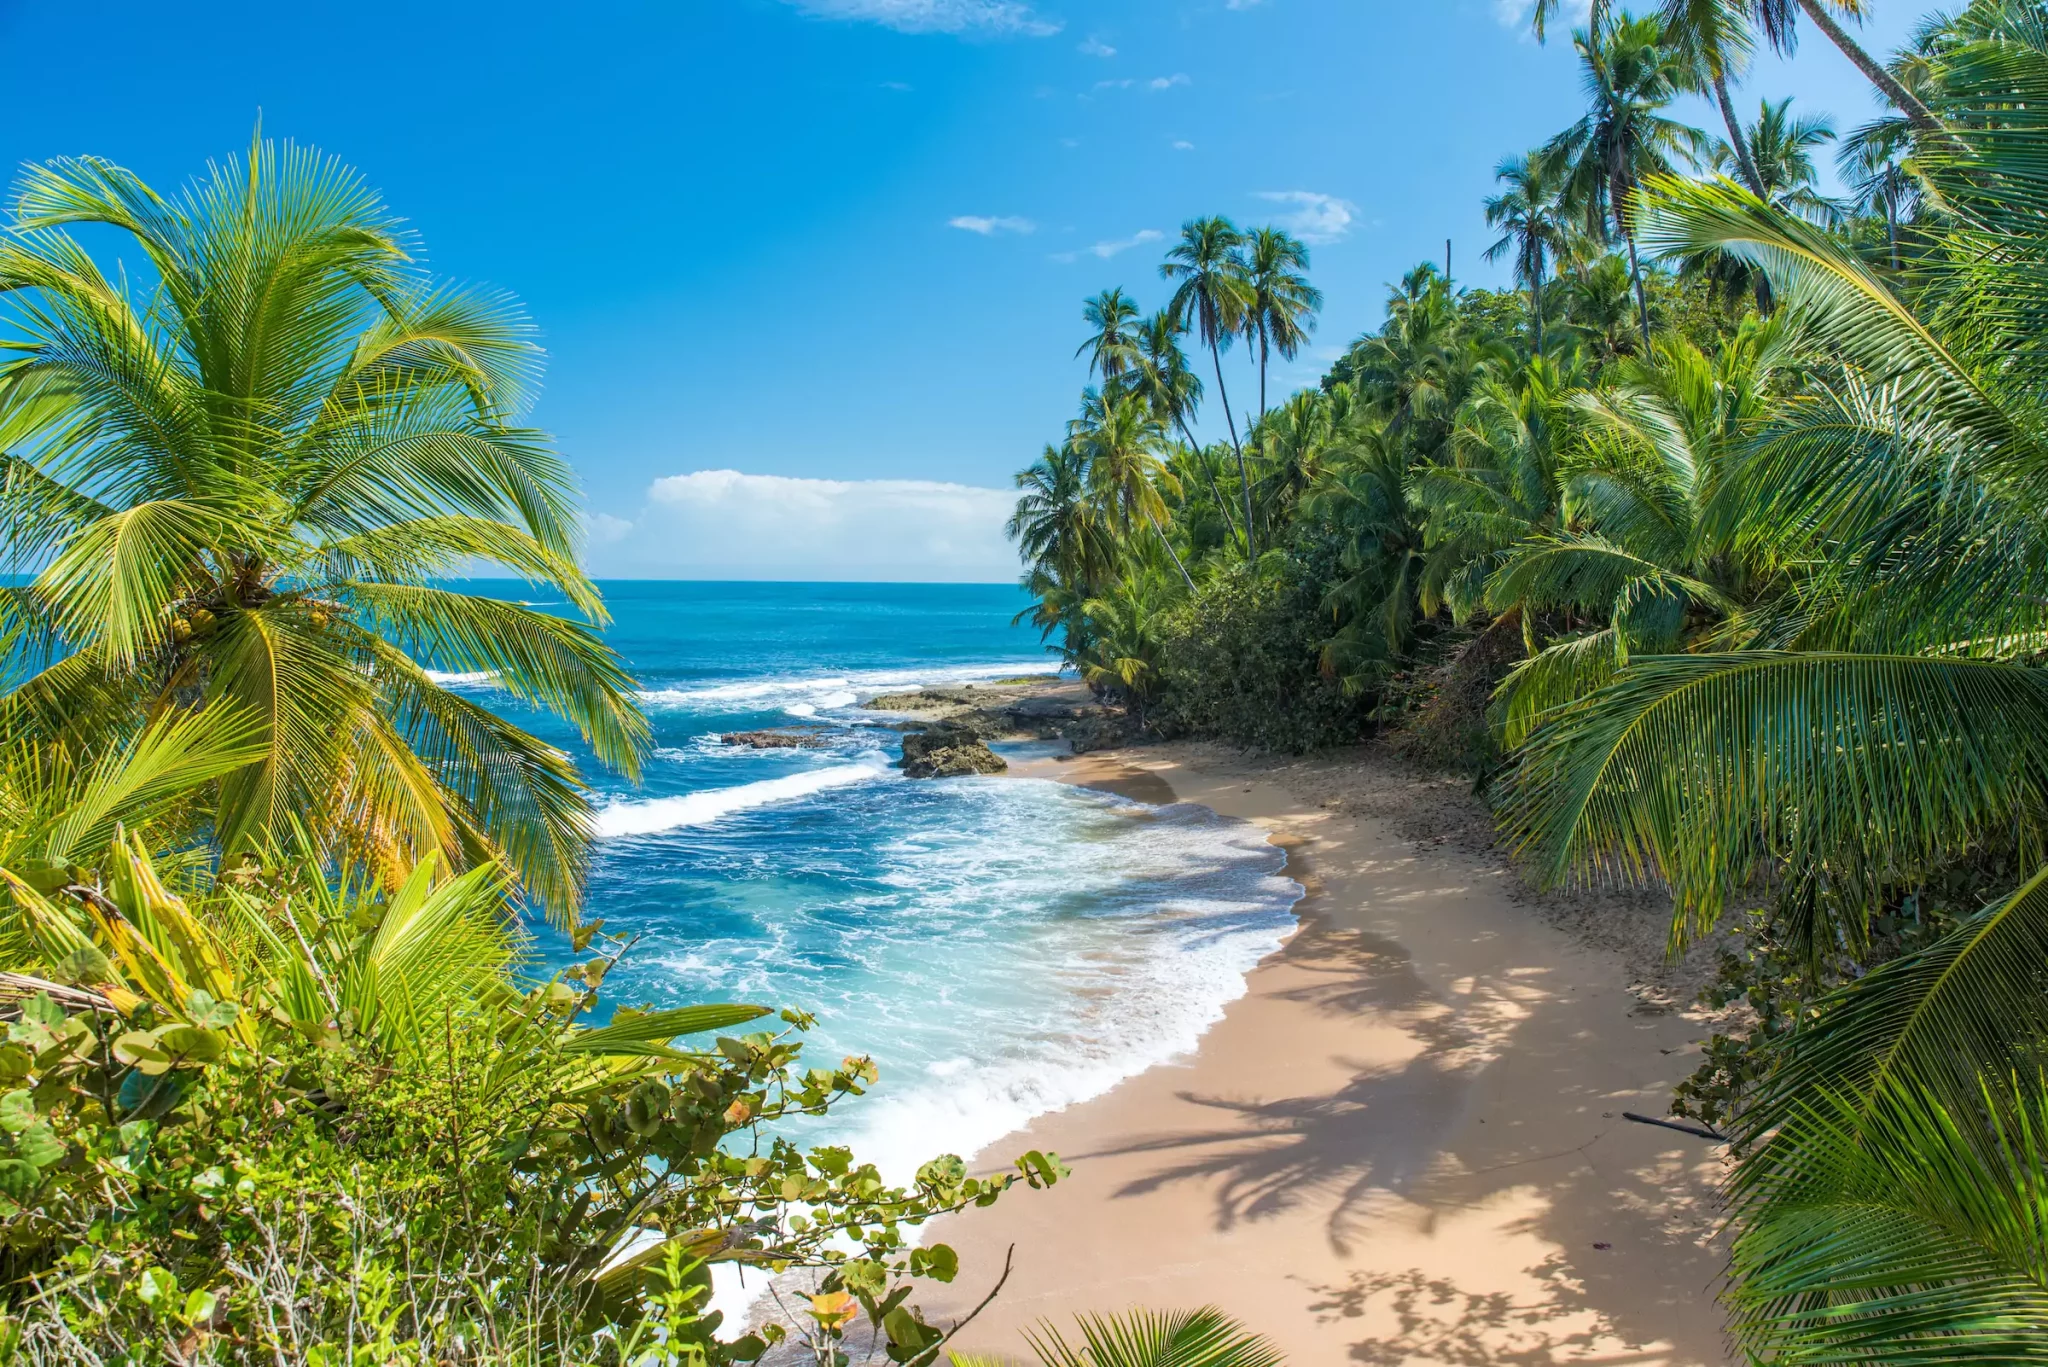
(1694,1130)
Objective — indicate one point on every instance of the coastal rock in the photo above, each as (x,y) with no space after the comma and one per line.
(782,738)
(1105,731)
(948,752)
(924,700)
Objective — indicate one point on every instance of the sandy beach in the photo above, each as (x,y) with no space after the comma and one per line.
(1404,1144)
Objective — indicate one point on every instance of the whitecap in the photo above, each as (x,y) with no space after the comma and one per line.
(476,678)
(842,689)
(652,816)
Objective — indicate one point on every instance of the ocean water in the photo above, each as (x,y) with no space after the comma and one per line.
(1000,947)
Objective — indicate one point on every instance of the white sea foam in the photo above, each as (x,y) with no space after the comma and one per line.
(828,691)
(653,815)
(477,678)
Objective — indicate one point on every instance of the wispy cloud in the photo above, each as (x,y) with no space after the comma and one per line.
(725,524)
(1183,145)
(990,226)
(1005,17)
(1095,47)
(1254,4)
(1316,218)
(1515,13)
(896,85)
(1156,83)
(1110,247)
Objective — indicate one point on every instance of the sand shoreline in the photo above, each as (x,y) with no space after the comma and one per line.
(1403,1144)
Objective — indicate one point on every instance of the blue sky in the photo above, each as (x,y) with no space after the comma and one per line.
(839,246)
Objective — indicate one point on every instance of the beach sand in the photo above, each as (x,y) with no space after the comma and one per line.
(1404,1144)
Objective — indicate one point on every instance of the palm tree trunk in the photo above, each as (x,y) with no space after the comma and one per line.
(1536,306)
(1908,103)
(1635,271)
(1743,161)
(1251,545)
(1262,371)
(1215,490)
(1167,542)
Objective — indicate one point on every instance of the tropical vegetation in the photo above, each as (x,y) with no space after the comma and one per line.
(1711,546)
(283,1075)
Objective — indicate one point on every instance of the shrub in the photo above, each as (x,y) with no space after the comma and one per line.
(1242,660)
(325,1155)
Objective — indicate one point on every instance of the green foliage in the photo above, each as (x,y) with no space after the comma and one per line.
(218,1136)
(1243,660)
(243,491)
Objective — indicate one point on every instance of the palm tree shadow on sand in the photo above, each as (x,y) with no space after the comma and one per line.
(1388,1140)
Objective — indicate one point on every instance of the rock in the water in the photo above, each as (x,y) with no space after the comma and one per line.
(782,738)
(948,752)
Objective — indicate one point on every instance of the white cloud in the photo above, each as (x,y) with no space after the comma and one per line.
(1110,248)
(895,85)
(1183,145)
(1095,47)
(1254,4)
(937,16)
(1319,218)
(602,529)
(722,524)
(988,227)
(1124,84)
(1168,82)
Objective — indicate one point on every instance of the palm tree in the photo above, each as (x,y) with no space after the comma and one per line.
(1874,163)
(1112,344)
(1057,525)
(1165,378)
(1782,147)
(1779,24)
(248,492)
(1213,298)
(1119,438)
(1629,75)
(1715,40)
(1638,550)
(1283,303)
(1528,216)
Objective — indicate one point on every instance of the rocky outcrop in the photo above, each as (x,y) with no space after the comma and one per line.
(782,738)
(1045,709)
(948,752)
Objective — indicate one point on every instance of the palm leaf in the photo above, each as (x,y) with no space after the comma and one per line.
(1709,770)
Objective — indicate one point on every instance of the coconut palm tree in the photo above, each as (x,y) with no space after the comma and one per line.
(1283,304)
(1715,40)
(1875,164)
(1119,438)
(1056,523)
(1637,553)
(1630,76)
(1112,346)
(1779,23)
(1166,379)
(1532,231)
(1212,298)
(248,491)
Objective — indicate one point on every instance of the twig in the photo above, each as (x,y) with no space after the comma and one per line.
(1008,1258)
(1693,1130)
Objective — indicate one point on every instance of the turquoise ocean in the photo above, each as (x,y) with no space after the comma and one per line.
(1001,947)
